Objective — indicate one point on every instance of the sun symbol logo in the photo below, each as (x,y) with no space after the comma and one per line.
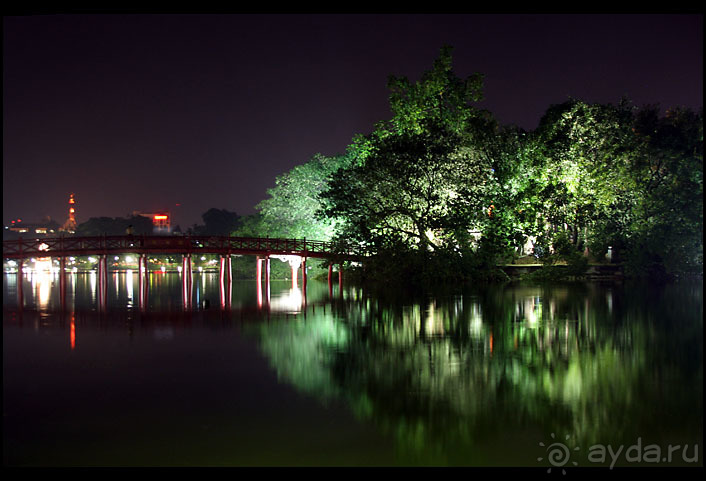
(558,454)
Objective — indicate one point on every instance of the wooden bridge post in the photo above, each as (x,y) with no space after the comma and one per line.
(102,281)
(304,274)
(330,284)
(225,280)
(229,288)
(258,279)
(222,274)
(267,278)
(295,276)
(20,293)
(142,279)
(186,280)
(62,282)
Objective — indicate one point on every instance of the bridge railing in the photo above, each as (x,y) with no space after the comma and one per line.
(37,247)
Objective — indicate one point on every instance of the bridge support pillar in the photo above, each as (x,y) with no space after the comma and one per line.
(186,281)
(267,278)
(225,281)
(295,275)
(62,282)
(142,280)
(20,292)
(102,282)
(304,274)
(229,292)
(330,276)
(258,278)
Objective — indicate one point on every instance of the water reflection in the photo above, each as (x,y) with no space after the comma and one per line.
(477,377)
(451,376)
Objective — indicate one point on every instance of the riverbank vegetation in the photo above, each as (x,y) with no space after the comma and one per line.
(442,191)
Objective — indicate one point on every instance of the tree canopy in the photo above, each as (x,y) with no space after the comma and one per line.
(442,179)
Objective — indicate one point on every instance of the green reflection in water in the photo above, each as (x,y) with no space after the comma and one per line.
(481,377)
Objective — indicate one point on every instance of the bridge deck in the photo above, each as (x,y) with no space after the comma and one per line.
(223,245)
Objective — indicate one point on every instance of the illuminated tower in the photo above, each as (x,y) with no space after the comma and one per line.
(70,224)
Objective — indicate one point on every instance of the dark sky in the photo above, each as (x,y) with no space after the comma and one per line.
(144,112)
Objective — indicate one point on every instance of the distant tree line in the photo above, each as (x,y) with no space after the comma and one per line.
(441,190)
(215,222)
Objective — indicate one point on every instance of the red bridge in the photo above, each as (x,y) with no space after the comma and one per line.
(295,250)
(185,245)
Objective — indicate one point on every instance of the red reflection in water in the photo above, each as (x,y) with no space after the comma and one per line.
(259,293)
(73,333)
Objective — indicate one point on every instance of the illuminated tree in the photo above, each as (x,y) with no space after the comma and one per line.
(292,206)
(625,178)
(438,95)
(420,181)
(414,190)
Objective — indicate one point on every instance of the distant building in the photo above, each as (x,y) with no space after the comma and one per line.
(47,227)
(161,221)
(70,224)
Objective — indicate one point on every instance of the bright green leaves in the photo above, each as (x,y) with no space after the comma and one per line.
(291,210)
(442,184)
(414,190)
(439,96)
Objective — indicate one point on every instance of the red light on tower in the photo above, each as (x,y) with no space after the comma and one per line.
(70,224)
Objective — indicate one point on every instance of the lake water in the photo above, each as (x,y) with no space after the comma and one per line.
(513,375)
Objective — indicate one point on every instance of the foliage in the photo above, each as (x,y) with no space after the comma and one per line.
(666,228)
(441,191)
(219,222)
(292,206)
(418,190)
(439,95)
(96,226)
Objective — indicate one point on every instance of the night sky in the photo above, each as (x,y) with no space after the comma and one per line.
(144,112)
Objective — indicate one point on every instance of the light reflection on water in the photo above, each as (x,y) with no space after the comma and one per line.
(477,377)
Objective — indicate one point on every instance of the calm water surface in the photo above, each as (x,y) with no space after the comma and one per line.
(478,377)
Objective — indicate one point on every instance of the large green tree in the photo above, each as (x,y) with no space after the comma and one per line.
(414,189)
(218,222)
(423,179)
(290,210)
(583,174)
(666,224)
(96,226)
